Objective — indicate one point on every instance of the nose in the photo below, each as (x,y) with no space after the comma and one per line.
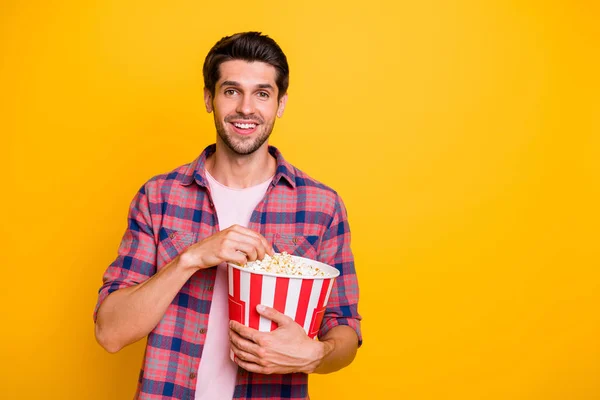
(245,105)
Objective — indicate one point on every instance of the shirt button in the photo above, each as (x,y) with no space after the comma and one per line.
(202,331)
(210,288)
(192,375)
(171,236)
(295,240)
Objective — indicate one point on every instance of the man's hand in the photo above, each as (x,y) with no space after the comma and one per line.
(234,244)
(131,313)
(285,350)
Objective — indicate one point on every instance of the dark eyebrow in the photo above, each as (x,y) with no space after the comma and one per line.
(230,83)
(237,84)
(265,86)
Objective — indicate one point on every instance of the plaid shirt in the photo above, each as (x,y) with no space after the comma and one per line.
(170,212)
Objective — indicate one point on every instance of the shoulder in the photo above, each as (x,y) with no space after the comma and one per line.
(164,184)
(306,182)
(312,190)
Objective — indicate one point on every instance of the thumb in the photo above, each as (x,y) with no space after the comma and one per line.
(273,314)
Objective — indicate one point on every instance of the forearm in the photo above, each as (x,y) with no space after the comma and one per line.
(340,345)
(130,314)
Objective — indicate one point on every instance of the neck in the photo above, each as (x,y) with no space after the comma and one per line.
(241,171)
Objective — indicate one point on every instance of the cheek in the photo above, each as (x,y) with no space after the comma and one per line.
(220,114)
(222,109)
(269,112)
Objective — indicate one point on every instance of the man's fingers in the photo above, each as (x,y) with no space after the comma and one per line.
(245,332)
(235,244)
(251,244)
(244,355)
(273,315)
(262,241)
(249,250)
(267,246)
(260,253)
(244,344)
(252,367)
(236,256)
(242,230)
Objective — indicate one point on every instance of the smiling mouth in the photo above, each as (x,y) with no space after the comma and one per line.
(244,126)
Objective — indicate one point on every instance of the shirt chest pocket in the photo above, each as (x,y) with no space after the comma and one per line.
(172,243)
(302,246)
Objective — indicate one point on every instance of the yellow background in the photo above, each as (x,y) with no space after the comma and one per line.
(462,135)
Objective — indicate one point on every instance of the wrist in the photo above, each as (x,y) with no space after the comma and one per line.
(189,260)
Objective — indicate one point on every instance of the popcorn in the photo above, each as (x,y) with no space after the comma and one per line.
(284,264)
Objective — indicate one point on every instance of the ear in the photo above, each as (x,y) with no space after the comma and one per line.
(282,103)
(208,100)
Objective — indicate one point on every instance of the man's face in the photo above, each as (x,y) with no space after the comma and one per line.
(245,104)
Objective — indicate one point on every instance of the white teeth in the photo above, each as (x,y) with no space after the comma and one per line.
(245,126)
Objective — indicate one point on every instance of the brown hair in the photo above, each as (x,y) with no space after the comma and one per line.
(247,46)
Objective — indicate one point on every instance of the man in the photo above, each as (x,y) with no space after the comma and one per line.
(238,201)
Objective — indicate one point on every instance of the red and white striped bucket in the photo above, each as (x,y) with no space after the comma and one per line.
(302,298)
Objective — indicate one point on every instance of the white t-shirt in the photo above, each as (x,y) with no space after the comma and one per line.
(217,373)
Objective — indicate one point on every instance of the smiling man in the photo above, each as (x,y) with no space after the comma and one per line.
(238,201)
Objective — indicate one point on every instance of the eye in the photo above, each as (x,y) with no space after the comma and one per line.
(230,92)
(263,95)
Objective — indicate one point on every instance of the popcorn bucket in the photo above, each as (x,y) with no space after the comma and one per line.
(302,298)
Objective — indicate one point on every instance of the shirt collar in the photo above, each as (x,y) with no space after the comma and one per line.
(196,170)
